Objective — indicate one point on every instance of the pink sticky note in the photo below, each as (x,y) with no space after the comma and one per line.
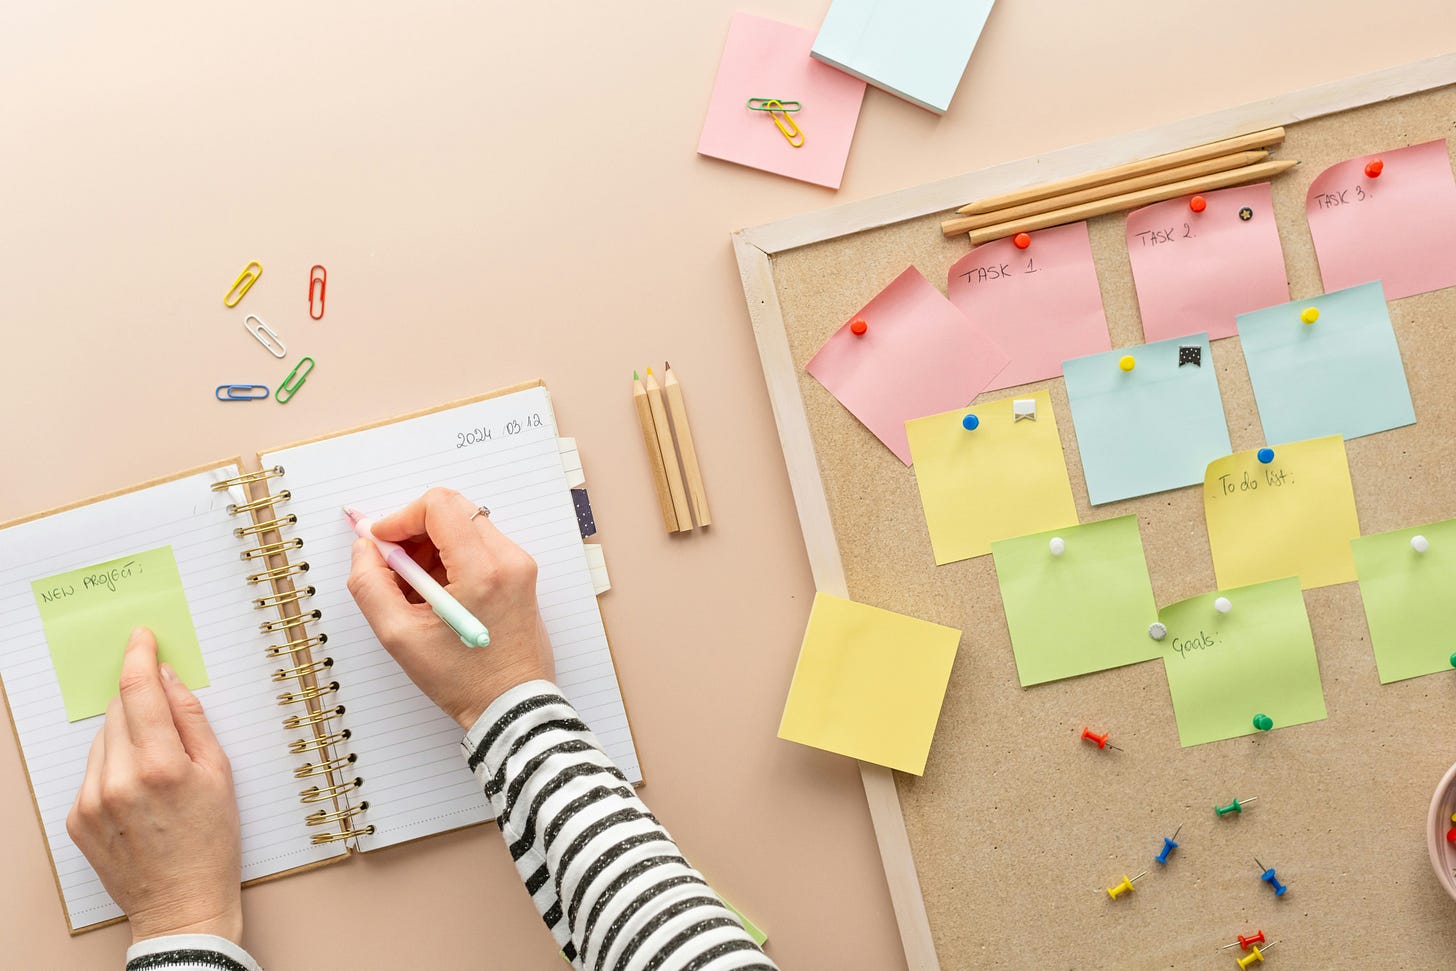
(767,59)
(1041,304)
(1399,228)
(1197,271)
(918,356)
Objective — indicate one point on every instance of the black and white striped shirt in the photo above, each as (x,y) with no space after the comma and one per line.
(605,876)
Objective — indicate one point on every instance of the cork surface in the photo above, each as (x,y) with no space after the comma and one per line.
(1016,825)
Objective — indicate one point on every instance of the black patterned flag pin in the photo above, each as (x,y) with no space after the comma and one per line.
(584,517)
(1190,354)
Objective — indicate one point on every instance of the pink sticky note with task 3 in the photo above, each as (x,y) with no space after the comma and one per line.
(1041,304)
(918,356)
(1398,227)
(767,59)
(1195,272)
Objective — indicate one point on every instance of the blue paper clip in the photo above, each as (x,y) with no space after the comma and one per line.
(241,392)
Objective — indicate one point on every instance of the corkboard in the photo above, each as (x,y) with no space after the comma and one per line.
(1016,825)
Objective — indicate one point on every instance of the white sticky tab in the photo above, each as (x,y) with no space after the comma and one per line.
(597,561)
(1023,408)
(571,462)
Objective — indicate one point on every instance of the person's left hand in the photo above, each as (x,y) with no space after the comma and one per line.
(156,814)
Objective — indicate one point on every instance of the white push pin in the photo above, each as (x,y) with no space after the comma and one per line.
(1058,546)
(1157,631)
(1420,544)
(1222,605)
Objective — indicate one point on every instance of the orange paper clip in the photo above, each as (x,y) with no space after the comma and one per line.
(318,281)
(785,123)
(243,283)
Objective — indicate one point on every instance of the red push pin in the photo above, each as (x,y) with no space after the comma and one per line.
(1099,740)
(1198,203)
(1022,240)
(858,328)
(1451,836)
(1244,943)
(1374,168)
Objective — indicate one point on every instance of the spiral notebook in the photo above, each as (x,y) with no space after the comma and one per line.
(333,749)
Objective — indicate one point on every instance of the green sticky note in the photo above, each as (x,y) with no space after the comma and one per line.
(89,613)
(1408,602)
(1257,659)
(1085,610)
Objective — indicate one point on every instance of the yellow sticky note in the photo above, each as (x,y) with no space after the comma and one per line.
(1005,478)
(1291,516)
(869,683)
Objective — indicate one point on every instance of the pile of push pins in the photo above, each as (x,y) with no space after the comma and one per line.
(1251,953)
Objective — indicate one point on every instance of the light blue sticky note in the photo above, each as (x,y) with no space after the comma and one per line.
(1150,429)
(1341,375)
(916,49)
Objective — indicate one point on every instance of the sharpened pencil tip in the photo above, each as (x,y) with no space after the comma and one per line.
(667,366)
(635,377)
(649,372)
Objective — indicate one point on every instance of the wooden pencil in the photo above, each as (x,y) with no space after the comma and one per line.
(654,453)
(964,224)
(1239,143)
(678,412)
(675,485)
(1132,200)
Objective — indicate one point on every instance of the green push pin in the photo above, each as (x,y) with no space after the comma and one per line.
(1236,806)
(1453,660)
(1263,722)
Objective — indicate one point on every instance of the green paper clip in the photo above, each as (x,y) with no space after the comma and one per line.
(290,387)
(772,104)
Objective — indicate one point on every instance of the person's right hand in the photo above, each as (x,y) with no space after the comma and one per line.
(491,576)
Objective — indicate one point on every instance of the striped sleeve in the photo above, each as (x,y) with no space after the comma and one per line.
(188,952)
(604,875)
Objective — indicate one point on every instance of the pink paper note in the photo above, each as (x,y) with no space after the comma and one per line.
(1041,304)
(767,59)
(1197,271)
(1399,228)
(918,356)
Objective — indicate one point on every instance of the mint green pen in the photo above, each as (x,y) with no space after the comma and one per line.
(472,632)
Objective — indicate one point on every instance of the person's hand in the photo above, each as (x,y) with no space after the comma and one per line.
(156,814)
(492,577)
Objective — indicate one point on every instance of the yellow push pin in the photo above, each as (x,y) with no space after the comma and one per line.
(1125,886)
(1254,955)
(1309,315)
(1127,362)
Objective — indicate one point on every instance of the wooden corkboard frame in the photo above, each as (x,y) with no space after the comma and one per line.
(1015,826)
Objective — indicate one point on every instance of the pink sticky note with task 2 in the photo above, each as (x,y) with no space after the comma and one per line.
(1398,227)
(1041,304)
(767,59)
(1195,272)
(918,355)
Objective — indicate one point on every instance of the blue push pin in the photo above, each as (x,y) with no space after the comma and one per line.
(1169,845)
(970,423)
(1265,455)
(1268,877)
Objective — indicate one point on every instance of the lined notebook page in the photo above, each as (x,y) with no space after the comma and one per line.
(408,752)
(239,699)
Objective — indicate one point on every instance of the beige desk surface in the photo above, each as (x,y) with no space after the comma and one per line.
(501,192)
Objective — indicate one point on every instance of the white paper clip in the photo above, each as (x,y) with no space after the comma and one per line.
(265,335)
(1023,408)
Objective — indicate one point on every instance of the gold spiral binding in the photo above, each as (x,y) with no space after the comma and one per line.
(272,549)
(279,599)
(291,648)
(307,694)
(322,793)
(324,816)
(244,479)
(288,623)
(239,507)
(348,834)
(279,572)
(260,528)
(303,670)
(319,743)
(293,722)
(324,768)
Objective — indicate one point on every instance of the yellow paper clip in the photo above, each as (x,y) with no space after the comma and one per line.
(294,381)
(784,121)
(243,283)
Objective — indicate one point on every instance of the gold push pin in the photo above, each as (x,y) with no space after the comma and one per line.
(1125,886)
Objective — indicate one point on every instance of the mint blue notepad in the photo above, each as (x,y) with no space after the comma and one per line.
(916,49)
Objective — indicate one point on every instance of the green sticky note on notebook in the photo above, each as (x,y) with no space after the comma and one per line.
(1257,659)
(1087,609)
(88,614)
(1408,601)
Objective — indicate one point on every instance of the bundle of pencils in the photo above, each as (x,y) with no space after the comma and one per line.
(1217,165)
(679,490)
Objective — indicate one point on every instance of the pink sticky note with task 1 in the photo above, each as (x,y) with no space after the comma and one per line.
(767,59)
(1041,304)
(1195,272)
(918,356)
(1398,227)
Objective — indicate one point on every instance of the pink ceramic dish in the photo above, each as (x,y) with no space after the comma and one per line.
(1443,852)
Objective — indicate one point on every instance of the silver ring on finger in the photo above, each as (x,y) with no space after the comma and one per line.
(480,511)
